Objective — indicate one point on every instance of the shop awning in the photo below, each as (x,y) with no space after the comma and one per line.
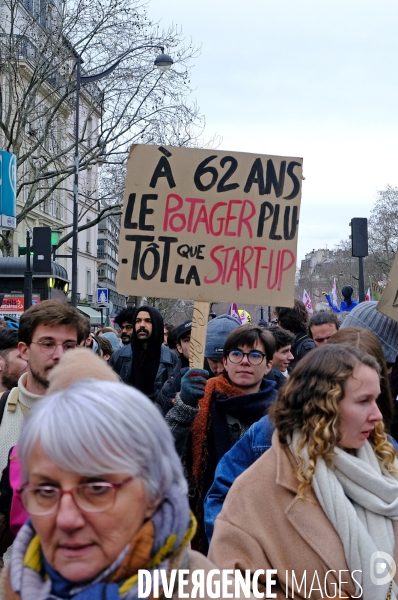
(91,313)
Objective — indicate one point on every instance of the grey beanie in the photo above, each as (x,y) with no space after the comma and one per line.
(366,315)
(217,332)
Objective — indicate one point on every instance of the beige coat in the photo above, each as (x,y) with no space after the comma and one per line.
(263,525)
(193,561)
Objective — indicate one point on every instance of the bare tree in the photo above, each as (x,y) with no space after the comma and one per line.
(383,229)
(40,44)
(172,311)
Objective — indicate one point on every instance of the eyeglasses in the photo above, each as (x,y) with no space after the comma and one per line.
(42,500)
(48,348)
(255,357)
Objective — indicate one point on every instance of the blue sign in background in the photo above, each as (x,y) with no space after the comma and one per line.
(102,296)
(8,184)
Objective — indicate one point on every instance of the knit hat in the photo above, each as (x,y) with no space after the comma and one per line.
(77,364)
(217,332)
(367,316)
(113,339)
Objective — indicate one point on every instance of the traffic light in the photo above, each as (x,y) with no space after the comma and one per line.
(359,237)
(22,251)
(42,249)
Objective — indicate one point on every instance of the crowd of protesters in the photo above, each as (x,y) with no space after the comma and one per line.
(279,454)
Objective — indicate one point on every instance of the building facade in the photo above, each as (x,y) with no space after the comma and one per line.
(317,271)
(39,98)
(108,259)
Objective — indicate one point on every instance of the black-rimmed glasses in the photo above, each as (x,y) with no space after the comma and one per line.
(255,357)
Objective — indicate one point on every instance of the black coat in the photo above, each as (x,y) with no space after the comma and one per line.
(122,360)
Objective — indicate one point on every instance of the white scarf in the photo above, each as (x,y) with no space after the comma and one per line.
(360,498)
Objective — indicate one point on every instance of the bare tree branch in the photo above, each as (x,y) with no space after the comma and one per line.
(40,44)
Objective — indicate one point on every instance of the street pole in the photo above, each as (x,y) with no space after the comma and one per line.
(28,276)
(361,283)
(162,62)
(76,190)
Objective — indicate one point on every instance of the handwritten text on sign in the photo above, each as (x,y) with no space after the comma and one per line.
(210,225)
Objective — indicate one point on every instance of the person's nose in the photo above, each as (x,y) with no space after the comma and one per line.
(59,351)
(69,516)
(245,360)
(290,356)
(375,414)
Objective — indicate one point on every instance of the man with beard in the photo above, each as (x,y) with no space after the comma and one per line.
(46,331)
(12,365)
(146,363)
(125,321)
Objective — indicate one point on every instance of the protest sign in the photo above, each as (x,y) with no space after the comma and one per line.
(210,225)
(376,290)
(388,305)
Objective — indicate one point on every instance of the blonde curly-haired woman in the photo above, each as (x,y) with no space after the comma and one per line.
(321,506)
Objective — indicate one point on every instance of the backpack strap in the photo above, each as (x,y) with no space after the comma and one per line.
(3,402)
(13,401)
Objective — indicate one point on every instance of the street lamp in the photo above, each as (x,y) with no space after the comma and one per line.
(162,62)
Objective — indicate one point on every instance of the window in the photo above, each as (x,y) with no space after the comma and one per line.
(88,238)
(88,283)
(89,131)
(100,249)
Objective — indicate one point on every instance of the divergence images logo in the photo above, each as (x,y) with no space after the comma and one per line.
(382,568)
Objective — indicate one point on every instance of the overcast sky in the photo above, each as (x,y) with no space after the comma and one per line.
(316,79)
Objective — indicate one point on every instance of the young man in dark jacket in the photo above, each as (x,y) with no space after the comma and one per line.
(166,396)
(222,410)
(146,363)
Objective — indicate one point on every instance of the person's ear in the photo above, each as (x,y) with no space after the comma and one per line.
(179,348)
(268,367)
(151,508)
(2,363)
(225,363)
(23,350)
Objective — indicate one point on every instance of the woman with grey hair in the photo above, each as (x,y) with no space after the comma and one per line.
(106,496)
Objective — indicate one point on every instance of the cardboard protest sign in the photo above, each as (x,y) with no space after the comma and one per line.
(388,305)
(210,225)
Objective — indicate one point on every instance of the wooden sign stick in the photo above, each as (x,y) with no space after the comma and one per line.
(198,334)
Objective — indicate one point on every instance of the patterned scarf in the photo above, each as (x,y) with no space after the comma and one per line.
(202,424)
(210,436)
(156,545)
